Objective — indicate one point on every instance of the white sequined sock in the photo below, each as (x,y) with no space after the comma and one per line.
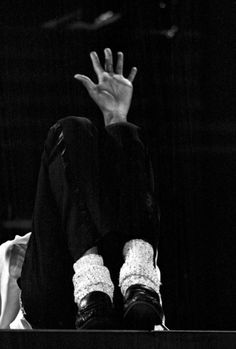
(91,275)
(138,267)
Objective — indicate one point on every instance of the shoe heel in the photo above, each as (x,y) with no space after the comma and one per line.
(141,316)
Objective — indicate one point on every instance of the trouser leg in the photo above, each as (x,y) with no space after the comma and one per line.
(139,276)
(62,225)
(136,209)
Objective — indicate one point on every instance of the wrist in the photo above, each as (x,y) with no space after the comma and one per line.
(113,117)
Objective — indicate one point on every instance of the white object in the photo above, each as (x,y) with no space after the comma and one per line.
(12,255)
(91,275)
(138,267)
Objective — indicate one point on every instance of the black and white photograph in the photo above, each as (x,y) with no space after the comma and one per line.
(118,174)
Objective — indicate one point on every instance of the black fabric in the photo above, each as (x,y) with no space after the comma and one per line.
(95,187)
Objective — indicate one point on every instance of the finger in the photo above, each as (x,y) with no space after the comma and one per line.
(132,74)
(85,81)
(108,60)
(120,63)
(96,64)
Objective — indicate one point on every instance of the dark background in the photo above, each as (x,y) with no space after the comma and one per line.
(183,96)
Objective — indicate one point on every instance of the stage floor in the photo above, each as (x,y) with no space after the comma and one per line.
(42,339)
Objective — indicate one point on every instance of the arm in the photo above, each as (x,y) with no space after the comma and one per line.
(113,93)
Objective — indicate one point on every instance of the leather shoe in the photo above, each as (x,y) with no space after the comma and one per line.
(95,311)
(142,308)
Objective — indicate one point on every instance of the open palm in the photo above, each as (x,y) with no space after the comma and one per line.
(113,93)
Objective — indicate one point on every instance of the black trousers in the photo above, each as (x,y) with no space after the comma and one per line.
(95,188)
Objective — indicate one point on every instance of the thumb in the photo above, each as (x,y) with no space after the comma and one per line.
(85,81)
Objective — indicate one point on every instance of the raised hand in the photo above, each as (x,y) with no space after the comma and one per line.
(113,93)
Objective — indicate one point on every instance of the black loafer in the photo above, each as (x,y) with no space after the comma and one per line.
(142,308)
(95,311)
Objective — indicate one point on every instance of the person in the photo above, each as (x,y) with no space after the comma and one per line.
(90,262)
